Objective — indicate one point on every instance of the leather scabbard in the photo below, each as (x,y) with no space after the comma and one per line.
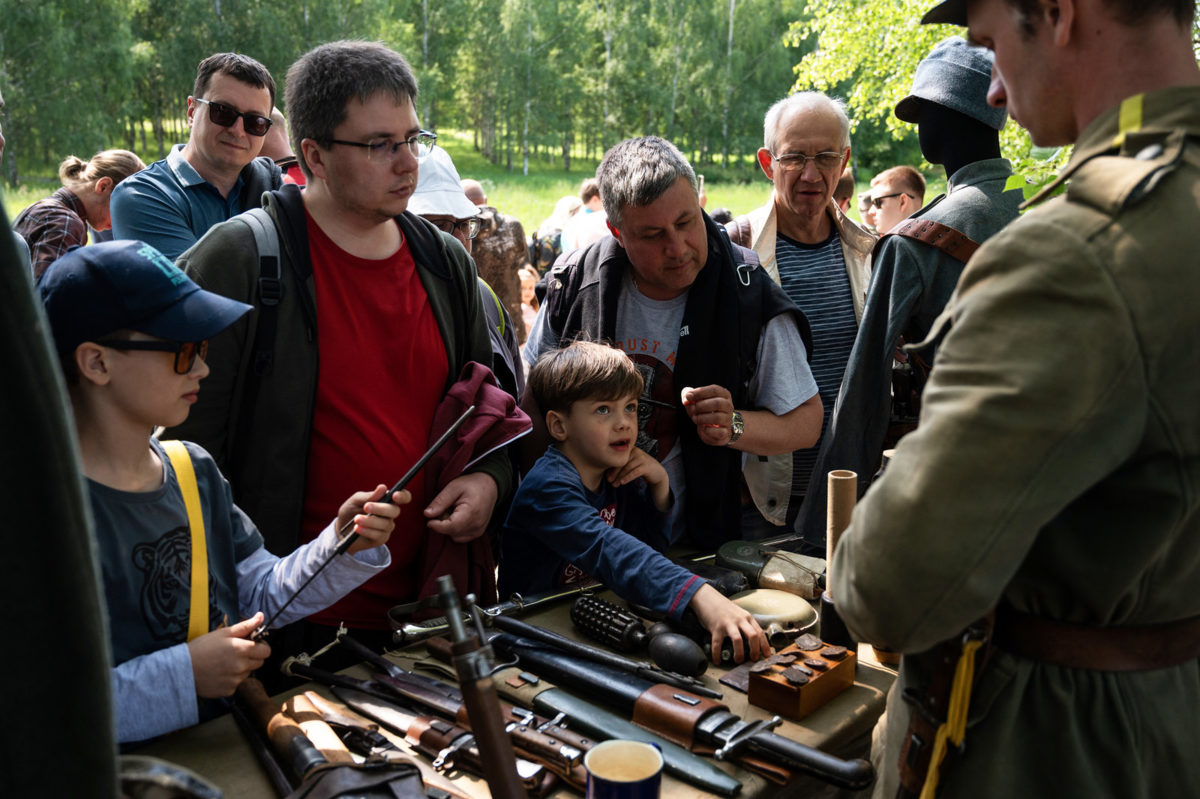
(601,723)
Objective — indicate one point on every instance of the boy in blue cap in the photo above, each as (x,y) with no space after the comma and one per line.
(132,330)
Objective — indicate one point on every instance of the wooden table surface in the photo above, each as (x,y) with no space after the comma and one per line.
(217,750)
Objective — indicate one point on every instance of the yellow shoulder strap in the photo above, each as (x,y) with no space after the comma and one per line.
(198,609)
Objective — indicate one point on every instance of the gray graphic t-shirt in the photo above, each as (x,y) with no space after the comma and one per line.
(648,331)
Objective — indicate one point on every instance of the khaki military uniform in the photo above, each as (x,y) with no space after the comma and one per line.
(1057,469)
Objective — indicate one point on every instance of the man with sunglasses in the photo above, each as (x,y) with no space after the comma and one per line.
(217,174)
(372,317)
(819,256)
(896,193)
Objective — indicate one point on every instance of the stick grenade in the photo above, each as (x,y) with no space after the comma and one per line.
(346,542)
(843,493)
(473,662)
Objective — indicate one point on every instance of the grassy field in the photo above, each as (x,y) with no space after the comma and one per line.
(530,198)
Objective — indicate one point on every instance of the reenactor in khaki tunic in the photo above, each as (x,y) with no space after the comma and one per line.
(1055,475)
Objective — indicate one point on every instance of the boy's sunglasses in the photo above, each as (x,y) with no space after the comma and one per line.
(226,115)
(186,352)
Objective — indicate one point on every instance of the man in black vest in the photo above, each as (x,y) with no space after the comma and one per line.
(721,348)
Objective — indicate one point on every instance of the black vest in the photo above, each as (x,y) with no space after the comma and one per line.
(727,307)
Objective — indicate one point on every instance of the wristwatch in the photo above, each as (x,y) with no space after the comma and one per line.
(736,427)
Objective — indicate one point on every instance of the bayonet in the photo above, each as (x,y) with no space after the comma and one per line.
(446,744)
(560,748)
(676,713)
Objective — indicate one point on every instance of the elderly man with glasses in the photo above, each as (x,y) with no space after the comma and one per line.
(819,257)
(217,174)
(372,316)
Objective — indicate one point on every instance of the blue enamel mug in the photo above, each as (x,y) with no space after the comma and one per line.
(621,769)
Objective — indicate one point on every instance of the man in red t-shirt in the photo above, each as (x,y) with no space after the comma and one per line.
(377,314)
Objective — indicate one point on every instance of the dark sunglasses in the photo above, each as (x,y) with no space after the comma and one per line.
(186,352)
(878,201)
(226,115)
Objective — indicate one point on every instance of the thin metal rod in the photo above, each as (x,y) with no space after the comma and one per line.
(346,542)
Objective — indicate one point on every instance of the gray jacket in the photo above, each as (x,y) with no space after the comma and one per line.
(910,284)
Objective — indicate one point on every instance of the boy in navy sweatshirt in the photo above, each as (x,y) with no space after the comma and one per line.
(597,506)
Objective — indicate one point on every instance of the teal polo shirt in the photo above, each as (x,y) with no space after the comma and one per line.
(169,206)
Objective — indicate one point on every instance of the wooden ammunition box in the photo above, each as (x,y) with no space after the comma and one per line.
(801,678)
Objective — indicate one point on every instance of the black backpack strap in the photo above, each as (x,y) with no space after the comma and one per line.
(270,289)
(269,295)
(424,242)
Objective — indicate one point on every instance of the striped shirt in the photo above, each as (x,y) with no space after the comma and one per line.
(814,277)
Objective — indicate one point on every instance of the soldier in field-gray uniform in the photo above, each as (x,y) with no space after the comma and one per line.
(1055,475)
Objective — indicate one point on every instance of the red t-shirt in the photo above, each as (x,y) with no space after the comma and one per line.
(382,373)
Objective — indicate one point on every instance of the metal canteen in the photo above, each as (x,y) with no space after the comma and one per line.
(782,615)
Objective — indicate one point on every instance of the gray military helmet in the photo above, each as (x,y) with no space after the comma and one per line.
(954,74)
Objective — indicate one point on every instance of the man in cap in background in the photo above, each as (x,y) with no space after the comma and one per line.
(441,199)
(1055,476)
(916,264)
(500,250)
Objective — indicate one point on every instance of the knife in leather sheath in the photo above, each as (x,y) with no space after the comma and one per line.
(547,700)
(583,715)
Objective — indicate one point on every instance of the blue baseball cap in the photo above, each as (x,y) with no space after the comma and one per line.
(128,285)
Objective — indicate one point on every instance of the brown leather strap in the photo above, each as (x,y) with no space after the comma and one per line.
(672,714)
(955,243)
(1078,646)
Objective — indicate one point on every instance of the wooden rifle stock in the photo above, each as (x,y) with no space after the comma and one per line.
(473,664)
(286,736)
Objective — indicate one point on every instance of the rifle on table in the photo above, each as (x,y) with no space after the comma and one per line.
(545,699)
(405,631)
(690,720)
(310,765)
(388,699)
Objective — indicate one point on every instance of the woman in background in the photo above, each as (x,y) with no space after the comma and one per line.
(54,225)
(529,301)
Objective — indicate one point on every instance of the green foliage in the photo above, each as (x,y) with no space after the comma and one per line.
(51,57)
(868,53)
(537,86)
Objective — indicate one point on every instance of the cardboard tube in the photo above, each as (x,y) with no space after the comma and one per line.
(843,493)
